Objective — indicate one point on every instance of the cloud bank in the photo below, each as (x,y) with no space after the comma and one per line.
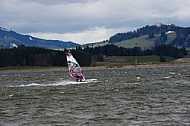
(84,21)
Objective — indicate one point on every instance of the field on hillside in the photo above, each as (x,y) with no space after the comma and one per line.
(144,41)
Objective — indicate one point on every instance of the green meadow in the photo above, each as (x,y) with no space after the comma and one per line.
(144,41)
(129,60)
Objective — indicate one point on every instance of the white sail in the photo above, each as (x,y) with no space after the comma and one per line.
(74,68)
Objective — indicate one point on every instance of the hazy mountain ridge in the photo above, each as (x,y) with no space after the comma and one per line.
(9,38)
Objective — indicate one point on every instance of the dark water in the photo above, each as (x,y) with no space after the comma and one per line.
(109,97)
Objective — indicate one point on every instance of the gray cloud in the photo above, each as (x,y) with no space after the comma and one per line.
(82,16)
(54,2)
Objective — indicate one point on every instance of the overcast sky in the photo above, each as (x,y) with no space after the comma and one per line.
(84,21)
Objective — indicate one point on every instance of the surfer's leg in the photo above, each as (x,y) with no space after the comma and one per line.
(77,80)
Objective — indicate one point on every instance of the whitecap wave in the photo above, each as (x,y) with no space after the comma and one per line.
(28,85)
(167,77)
(62,83)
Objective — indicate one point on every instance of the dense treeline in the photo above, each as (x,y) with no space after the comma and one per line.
(183,37)
(112,50)
(33,56)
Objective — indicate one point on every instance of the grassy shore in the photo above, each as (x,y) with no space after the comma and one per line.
(111,62)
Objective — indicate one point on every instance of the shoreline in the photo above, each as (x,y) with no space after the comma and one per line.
(52,68)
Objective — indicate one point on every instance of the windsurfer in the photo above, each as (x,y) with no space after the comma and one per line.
(74,68)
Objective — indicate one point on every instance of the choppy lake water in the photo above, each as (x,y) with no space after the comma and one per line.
(150,96)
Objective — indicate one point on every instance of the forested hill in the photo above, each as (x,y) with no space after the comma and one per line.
(182,37)
(9,39)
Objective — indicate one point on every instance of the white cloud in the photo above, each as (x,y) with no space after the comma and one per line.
(92,35)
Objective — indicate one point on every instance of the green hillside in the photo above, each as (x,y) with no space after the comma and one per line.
(144,41)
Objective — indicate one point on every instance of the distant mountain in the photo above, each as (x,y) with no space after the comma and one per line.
(151,36)
(9,39)
(145,37)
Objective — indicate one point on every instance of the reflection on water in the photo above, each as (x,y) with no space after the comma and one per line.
(130,96)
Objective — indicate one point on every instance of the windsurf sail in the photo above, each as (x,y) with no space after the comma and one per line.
(75,70)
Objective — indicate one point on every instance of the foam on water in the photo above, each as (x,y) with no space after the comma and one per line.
(167,77)
(62,83)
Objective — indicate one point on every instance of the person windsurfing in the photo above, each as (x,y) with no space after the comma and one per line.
(75,70)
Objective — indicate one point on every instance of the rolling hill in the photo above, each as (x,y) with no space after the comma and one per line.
(144,41)
(151,36)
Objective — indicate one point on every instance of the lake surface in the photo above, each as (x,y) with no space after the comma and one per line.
(150,96)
